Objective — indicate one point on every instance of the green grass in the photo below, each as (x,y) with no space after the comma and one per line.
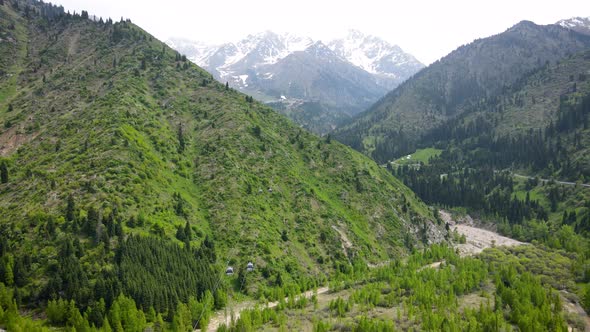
(420,156)
(10,63)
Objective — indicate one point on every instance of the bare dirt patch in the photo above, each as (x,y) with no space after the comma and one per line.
(572,306)
(478,239)
(346,244)
(12,139)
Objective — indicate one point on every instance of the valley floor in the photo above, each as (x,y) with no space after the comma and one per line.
(477,239)
(233,313)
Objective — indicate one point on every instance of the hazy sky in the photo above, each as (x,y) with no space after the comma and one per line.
(427,29)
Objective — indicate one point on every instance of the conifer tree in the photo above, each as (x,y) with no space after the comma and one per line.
(181,141)
(187,231)
(70,208)
(3,172)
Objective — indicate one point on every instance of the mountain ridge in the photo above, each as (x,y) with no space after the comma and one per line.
(481,69)
(115,146)
(251,65)
(355,47)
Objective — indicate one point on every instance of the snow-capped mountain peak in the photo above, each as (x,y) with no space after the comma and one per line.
(579,24)
(373,54)
(320,50)
(327,81)
(256,49)
(367,52)
(195,50)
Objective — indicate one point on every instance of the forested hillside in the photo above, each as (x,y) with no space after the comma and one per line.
(481,70)
(519,159)
(510,147)
(129,177)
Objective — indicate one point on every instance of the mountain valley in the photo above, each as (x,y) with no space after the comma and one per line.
(147,186)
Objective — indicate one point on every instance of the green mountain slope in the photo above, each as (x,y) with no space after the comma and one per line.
(551,103)
(481,69)
(520,158)
(519,161)
(108,137)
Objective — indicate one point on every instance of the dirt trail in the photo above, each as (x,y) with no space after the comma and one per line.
(434,265)
(565,183)
(380,264)
(223,317)
(73,45)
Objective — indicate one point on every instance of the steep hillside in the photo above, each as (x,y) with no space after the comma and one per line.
(534,101)
(113,146)
(520,159)
(548,112)
(448,87)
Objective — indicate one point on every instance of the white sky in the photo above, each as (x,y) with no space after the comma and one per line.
(427,29)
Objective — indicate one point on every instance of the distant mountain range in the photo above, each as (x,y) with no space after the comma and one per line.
(317,84)
(578,24)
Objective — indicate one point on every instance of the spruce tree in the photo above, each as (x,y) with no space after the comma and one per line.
(3,172)
(187,231)
(181,141)
(70,208)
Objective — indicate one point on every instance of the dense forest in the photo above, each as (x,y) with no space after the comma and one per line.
(469,170)
(518,162)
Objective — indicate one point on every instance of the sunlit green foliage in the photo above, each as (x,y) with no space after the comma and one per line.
(133,173)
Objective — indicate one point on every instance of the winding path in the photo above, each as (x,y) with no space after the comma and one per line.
(223,317)
(565,183)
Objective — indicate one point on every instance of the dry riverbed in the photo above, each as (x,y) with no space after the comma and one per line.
(478,239)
